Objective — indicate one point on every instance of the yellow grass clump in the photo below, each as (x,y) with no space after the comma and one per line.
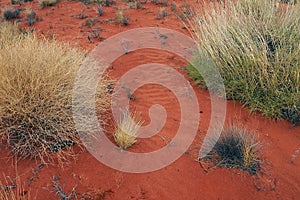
(126,133)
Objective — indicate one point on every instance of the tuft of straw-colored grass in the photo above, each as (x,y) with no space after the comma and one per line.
(126,133)
(255,45)
(36,85)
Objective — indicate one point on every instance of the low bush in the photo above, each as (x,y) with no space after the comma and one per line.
(236,148)
(37,78)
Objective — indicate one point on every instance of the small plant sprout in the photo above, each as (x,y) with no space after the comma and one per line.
(126,133)
(122,18)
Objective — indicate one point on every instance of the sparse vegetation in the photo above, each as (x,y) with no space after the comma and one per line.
(13,189)
(135,5)
(160,2)
(14,2)
(255,46)
(95,34)
(99,9)
(37,78)
(126,133)
(173,6)
(236,148)
(162,13)
(30,16)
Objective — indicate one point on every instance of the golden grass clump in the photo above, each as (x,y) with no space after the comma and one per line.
(126,133)
(255,45)
(37,78)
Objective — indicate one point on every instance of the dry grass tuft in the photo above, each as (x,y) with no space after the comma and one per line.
(126,133)
(37,78)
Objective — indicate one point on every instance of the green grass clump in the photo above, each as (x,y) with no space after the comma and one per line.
(36,85)
(236,148)
(256,47)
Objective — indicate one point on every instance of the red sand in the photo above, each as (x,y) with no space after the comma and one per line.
(183,179)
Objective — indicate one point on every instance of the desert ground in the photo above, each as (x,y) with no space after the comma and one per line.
(86,178)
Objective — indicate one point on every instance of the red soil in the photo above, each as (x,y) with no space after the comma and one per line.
(183,179)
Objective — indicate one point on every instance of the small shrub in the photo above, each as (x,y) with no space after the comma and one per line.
(236,148)
(126,132)
(95,34)
(187,10)
(101,2)
(46,3)
(162,13)
(30,16)
(36,85)
(122,18)
(108,2)
(99,9)
(10,13)
(91,22)
(14,2)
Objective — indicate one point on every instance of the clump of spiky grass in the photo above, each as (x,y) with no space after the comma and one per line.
(37,78)
(126,133)
(256,48)
(236,148)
